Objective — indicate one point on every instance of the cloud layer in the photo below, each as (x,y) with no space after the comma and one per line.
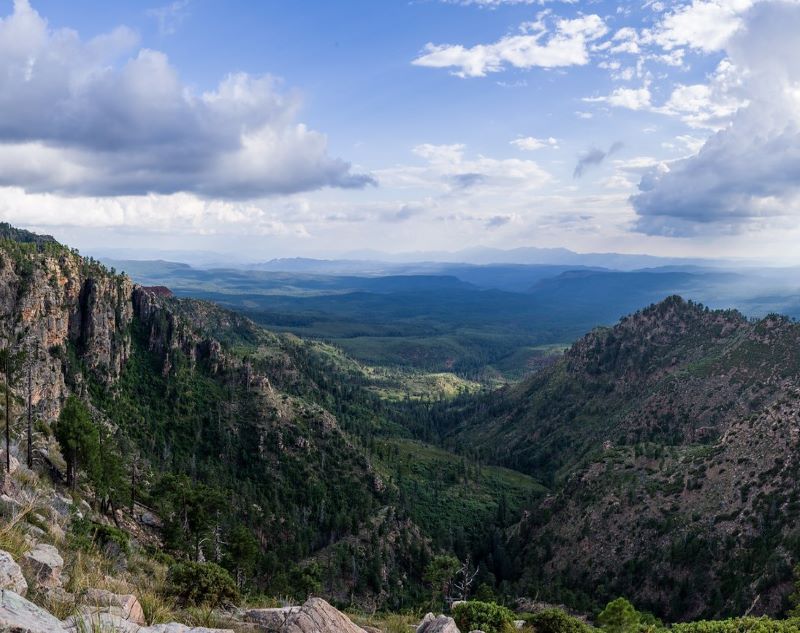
(537,44)
(100,117)
(750,170)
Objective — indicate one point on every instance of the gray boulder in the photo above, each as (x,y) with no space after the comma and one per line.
(111,623)
(18,615)
(125,606)
(11,575)
(61,504)
(44,564)
(317,616)
(100,621)
(437,624)
(9,506)
(269,619)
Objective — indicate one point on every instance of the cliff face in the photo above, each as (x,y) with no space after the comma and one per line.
(52,303)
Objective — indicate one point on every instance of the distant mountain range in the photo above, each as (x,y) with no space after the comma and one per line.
(377,262)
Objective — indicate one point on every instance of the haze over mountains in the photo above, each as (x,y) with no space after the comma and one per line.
(492,320)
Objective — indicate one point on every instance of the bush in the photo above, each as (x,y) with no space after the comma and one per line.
(619,616)
(556,621)
(86,535)
(739,625)
(486,616)
(196,584)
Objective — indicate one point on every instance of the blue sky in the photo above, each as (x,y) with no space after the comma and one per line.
(316,128)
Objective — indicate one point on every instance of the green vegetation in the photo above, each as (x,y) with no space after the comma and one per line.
(619,616)
(79,439)
(201,584)
(557,621)
(282,467)
(484,616)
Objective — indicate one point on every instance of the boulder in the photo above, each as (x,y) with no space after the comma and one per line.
(437,624)
(269,619)
(317,616)
(519,624)
(59,594)
(11,575)
(125,606)
(43,564)
(99,621)
(17,615)
(110,623)
(62,504)
(9,506)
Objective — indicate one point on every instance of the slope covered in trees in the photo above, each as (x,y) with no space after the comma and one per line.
(264,453)
(670,442)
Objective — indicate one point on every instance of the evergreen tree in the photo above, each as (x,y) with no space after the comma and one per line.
(79,440)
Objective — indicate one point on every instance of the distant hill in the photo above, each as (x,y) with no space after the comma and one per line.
(673,439)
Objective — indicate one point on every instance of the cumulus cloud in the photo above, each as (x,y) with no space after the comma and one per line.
(99,117)
(630,98)
(178,213)
(594,157)
(531,143)
(537,44)
(749,170)
(705,25)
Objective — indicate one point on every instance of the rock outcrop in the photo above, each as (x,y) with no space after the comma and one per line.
(43,564)
(11,577)
(18,615)
(317,616)
(110,623)
(269,619)
(125,606)
(437,624)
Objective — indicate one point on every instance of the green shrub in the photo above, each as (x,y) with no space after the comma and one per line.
(619,616)
(86,535)
(557,621)
(486,616)
(739,625)
(196,584)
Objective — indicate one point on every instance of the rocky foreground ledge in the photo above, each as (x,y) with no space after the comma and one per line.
(19,615)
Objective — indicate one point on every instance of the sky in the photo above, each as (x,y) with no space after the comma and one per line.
(317,128)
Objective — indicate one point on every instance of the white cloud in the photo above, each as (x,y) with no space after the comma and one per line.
(98,117)
(749,170)
(449,171)
(531,143)
(179,213)
(630,98)
(705,25)
(625,40)
(537,45)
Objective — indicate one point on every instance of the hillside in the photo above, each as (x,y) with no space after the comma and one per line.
(671,440)
(268,442)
